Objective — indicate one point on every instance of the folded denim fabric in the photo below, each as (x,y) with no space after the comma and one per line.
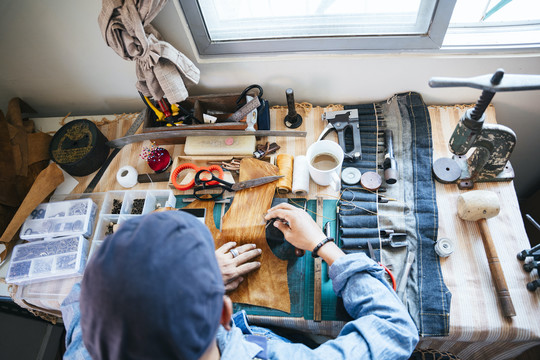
(358,208)
(358,221)
(358,195)
(364,233)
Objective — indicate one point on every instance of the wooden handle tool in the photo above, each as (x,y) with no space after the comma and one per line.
(505,301)
(478,206)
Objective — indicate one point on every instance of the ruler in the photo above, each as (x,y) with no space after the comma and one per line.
(132,129)
(317,270)
(244,110)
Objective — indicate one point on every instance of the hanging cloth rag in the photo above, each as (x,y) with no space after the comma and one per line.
(162,71)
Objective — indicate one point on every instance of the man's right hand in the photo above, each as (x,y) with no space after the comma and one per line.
(302,231)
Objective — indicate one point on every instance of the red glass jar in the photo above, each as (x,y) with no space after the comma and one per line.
(159,159)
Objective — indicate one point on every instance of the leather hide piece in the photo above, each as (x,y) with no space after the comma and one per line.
(244,223)
(209,219)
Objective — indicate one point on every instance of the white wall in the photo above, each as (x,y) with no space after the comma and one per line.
(53,56)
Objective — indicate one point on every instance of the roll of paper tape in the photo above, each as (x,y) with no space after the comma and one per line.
(300,183)
(127,176)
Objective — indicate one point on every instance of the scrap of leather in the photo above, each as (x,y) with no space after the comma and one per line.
(40,147)
(8,191)
(45,183)
(244,223)
(18,135)
(209,219)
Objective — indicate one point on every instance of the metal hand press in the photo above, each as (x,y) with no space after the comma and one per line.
(494,143)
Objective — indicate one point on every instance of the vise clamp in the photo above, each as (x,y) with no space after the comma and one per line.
(494,143)
(346,124)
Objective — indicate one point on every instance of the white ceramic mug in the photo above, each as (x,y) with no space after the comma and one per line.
(327,175)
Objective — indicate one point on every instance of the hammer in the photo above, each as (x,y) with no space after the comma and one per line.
(478,206)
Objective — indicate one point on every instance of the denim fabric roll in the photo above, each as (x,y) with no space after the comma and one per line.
(371,145)
(358,195)
(351,243)
(364,233)
(358,208)
(362,164)
(365,157)
(360,221)
(368,132)
(367,121)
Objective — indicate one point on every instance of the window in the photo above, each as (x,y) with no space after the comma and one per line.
(247,26)
(494,23)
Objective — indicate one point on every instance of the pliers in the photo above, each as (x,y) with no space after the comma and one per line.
(388,272)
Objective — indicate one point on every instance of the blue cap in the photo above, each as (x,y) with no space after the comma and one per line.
(153,290)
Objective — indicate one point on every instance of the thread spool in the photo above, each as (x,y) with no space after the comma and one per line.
(285,165)
(127,176)
(300,181)
(444,247)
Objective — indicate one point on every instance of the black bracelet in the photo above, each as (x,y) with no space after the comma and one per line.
(320,245)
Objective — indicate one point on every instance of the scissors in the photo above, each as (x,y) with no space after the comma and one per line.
(372,255)
(204,183)
(209,169)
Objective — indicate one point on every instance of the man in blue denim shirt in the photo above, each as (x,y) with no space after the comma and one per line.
(154,290)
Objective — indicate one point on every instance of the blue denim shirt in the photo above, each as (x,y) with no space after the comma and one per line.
(383,328)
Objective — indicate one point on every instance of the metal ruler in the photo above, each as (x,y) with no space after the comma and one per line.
(317,270)
(244,110)
(131,131)
(129,139)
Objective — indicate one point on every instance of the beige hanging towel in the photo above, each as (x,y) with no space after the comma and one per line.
(162,71)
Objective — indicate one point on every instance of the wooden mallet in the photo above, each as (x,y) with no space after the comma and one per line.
(478,206)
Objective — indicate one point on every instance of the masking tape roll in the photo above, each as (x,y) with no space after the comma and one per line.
(127,176)
(300,182)
(285,165)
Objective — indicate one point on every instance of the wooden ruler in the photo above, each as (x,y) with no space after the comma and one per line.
(317,270)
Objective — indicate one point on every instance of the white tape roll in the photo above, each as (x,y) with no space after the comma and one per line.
(300,183)
(444,247)
(127,176)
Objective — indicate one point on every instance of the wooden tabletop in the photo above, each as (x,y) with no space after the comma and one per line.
(477,328)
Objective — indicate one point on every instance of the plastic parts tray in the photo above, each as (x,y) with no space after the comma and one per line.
(62,218)
(50,259)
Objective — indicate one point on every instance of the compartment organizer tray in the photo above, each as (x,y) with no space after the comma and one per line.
(47,260)
(62,218)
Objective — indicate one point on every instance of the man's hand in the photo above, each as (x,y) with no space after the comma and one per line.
(233,268)
(301,231)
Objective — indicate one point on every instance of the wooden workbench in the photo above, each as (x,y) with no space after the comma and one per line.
(477,328)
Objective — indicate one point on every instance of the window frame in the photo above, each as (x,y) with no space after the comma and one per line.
(432,40)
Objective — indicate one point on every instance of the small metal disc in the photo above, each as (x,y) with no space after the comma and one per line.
(371,180)
(446,170)
(351,176)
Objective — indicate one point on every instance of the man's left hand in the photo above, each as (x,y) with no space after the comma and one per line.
(235,262)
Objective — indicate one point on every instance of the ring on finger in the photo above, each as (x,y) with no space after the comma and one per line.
(234,252)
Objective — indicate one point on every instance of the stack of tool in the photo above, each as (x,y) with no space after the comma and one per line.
(364,138)
(532,258)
